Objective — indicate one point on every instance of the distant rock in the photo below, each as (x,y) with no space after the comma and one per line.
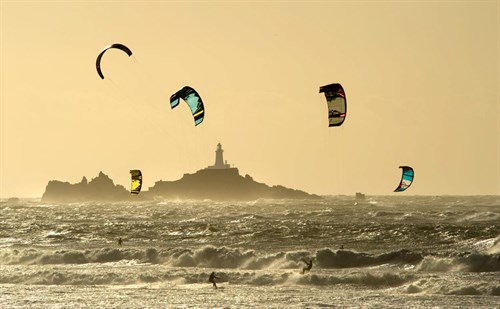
(13,201)
(100,188)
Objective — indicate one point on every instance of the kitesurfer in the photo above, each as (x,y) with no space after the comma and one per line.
(308,267)
(212,279)
(120,241)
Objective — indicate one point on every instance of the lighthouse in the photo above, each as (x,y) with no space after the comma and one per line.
(219,159)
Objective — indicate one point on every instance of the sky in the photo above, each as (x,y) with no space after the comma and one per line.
(421,80)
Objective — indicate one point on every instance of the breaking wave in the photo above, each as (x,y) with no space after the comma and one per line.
(208,256)
(473,262)
(118,274)
(233,258)
(345,258)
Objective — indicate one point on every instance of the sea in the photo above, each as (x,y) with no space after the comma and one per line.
(382,252)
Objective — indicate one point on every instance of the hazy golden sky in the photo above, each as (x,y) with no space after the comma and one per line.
(421,78)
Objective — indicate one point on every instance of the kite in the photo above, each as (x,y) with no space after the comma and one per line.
(118,46)
(193,100)
(337,104)
(406,178)
(136,181)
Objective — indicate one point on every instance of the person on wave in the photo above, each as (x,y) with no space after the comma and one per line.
(212,279)
(308,267)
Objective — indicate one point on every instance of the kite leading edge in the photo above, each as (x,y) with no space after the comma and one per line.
(116,45)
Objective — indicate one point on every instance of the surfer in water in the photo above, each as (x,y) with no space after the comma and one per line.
(212,279)
(308,267)
(120,241)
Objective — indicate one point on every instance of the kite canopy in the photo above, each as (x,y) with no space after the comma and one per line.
(136,181)
(337,104)
(193,100)
(118,46)
(406,178)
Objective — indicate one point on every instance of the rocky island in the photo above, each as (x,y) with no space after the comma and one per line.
(101,188)
(216,182)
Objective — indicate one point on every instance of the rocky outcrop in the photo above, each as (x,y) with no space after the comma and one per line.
(101,188)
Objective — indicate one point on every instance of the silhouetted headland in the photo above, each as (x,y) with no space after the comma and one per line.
(216,182)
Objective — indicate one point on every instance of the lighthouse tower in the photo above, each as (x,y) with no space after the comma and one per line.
(219,159)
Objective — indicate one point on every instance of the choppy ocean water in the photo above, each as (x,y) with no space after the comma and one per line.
(385,252)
